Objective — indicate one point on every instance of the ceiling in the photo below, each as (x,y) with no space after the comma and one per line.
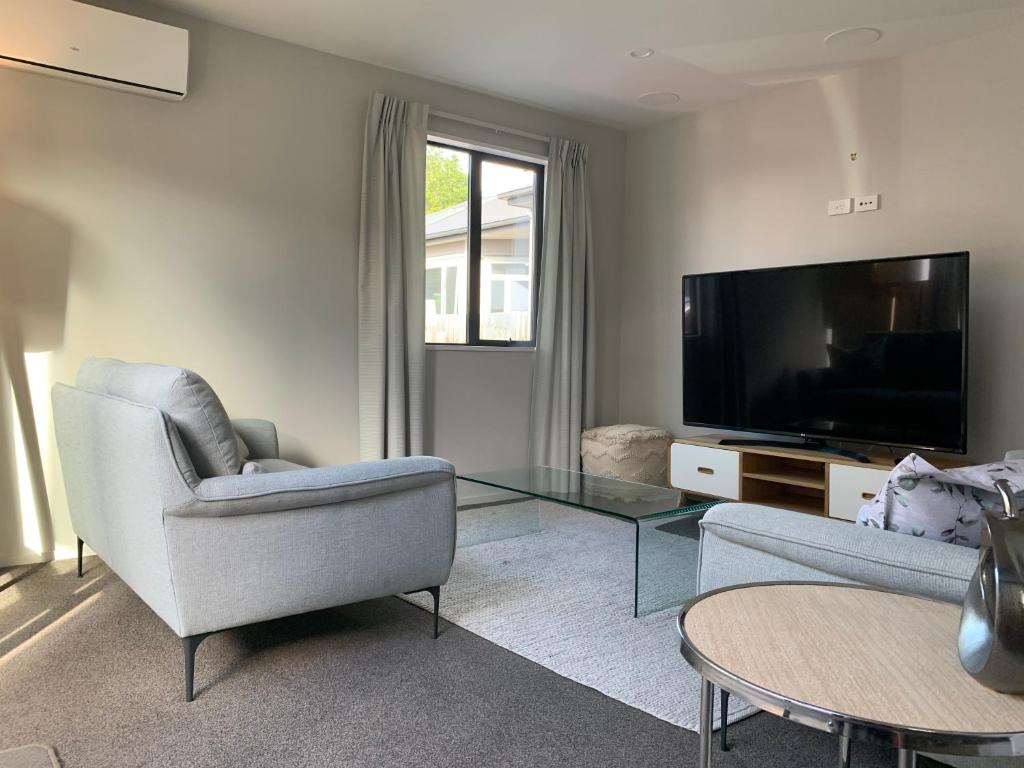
(573,56)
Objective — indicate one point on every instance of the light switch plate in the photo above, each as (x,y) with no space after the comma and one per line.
(839,207)
(866,203)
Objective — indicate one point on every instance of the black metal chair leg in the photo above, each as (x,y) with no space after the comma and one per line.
(436,593)
(723,743)
(188,646)
(80,544)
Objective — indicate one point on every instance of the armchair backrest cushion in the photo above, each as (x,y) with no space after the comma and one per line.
(189,402)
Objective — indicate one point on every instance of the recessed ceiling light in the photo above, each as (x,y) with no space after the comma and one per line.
(854,37)
(642,53)
(658,99)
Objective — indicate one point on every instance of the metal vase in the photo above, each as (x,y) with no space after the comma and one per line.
(991,642)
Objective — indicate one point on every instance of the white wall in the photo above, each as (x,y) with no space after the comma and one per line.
(220,233)
(938,135)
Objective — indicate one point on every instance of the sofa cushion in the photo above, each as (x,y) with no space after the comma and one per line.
(946,505)
(259,437)
(190,403)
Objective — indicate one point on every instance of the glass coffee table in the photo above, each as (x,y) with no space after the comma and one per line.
(665,522)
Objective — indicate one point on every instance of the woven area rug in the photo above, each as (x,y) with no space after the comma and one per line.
(31,756)
(563,598)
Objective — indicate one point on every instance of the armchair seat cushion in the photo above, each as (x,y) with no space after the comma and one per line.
(189,402)
(263,466)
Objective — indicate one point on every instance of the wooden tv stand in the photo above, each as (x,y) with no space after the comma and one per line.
(792,478)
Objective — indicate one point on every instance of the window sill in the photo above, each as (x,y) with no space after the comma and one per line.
(481,348)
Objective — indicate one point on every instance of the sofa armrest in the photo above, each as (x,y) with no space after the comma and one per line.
(259,435)
(300,489)
(747,542)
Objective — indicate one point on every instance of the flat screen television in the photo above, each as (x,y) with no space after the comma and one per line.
(868,351)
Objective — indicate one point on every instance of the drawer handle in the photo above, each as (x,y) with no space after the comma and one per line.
(706,470)
(867,496)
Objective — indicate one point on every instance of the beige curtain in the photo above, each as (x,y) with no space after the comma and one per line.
(563,376)
(391,275)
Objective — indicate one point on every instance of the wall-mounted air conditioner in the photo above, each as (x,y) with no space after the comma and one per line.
(80,42)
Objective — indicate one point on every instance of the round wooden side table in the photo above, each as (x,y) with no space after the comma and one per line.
(865,664)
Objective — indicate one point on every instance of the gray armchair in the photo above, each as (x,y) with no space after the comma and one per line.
(203,520)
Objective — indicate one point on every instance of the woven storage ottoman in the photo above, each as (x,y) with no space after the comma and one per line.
(628,452)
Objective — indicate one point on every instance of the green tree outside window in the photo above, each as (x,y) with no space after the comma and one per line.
(447,183)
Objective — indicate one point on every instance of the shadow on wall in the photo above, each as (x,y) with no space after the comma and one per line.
(34,259)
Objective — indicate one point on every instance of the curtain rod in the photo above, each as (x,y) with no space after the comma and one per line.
(491,126)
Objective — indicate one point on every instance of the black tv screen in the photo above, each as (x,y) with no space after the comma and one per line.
(862,351)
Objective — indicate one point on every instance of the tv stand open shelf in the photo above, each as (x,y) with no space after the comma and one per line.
(800,478)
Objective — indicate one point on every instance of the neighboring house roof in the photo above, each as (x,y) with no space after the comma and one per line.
(496,211)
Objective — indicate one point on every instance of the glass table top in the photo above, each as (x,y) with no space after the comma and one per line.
(619,498)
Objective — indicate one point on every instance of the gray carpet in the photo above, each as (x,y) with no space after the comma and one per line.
(98,676)
(563,597)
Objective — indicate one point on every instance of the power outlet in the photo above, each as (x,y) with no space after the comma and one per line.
(839,207)
(866,203)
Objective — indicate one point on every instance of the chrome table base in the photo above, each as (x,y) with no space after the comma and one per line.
(707,706)
(906,758)
(844,751)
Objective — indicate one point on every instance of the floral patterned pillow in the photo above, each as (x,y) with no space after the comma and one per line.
(945,505)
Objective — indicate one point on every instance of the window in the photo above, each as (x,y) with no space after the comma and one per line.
(483,231)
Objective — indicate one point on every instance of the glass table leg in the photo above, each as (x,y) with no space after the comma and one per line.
(496,521)
(666,562)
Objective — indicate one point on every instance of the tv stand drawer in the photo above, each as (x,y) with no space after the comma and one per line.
(849,488)
(705,471)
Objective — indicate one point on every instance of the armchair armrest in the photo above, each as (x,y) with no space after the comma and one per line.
(259,435)
(749,543)
(303,488)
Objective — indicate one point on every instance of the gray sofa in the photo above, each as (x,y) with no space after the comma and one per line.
(743,543)
(203,520)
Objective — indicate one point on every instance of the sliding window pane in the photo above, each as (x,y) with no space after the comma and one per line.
(497,295)
(434,292)
(451,283)
(520,296)
(447,260)
(507,258)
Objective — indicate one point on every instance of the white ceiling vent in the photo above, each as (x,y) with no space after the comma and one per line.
(80,42)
